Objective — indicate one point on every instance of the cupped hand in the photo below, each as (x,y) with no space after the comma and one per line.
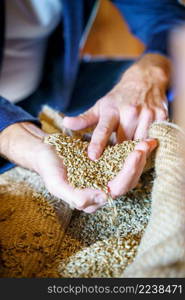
(54,174)
(23,144)
(128,177)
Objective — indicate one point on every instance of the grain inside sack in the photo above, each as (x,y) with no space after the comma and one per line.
(85,173)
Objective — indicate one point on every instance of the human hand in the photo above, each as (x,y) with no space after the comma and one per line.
(128,177)
(23,144)
(130,107)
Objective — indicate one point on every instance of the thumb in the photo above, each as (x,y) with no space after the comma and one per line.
(147,146)
(87,119)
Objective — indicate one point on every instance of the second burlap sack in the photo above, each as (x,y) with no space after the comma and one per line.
(162,249)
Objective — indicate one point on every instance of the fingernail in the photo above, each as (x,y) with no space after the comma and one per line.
(151,140)
(108,189)
(92,155)
(111,189)
(153,143)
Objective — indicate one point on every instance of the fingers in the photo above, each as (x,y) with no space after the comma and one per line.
(160,105)
(145,120)
(161,113)
(80,199)
(55,178)
(147,116)
(129,176)
(106,125)
(85,199)
(92,209)
(128,123)
(87,119)
(90,200)
(123,181)
(135,122)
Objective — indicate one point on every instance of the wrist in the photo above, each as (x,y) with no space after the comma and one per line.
(20,143)
(152,68)
(157,66)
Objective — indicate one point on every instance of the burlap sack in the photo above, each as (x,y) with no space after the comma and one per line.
(162,249)
(32,222)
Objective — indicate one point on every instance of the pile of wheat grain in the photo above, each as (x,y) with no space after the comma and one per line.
(83,172)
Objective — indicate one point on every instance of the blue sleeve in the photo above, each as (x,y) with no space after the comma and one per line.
(10,114)
(152,20)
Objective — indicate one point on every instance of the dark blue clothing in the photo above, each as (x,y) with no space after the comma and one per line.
(149,20)
(152,20)
(94,80)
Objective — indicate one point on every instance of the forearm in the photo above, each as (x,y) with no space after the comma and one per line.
(21,143)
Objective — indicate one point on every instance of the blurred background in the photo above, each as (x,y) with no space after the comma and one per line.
(110,36)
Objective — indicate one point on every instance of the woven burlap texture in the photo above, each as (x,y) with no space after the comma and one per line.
(162,249)
(32,223)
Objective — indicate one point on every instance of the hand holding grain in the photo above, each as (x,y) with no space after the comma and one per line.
(23,144)
(136,101)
